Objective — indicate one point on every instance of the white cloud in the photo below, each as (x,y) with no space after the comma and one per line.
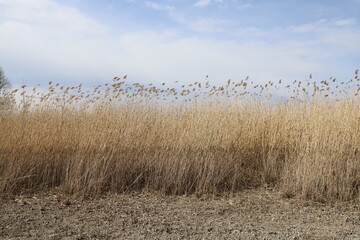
(49,13)
(53,42)
(348,38)
(243,6)
(251,32)
(309,27)
(147,56)
(333,32)
(201,24)
(345,22)
(207,25)
(158,6)
(202,3)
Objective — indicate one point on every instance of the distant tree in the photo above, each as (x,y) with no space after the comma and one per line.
(4,82)
(6,100)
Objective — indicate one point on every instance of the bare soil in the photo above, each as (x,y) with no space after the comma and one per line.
(252,214)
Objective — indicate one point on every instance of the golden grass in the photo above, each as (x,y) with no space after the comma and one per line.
(202,139)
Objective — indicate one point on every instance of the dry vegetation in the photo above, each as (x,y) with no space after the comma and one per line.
(184,139)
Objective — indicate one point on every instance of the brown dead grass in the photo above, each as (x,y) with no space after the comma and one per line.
(200,140)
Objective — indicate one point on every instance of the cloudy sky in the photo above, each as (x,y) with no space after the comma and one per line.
(91,41)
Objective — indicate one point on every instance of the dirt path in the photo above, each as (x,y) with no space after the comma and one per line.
(255,214)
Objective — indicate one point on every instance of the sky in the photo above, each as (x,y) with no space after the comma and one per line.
(91,41)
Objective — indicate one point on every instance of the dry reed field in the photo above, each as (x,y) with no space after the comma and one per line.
(184,139)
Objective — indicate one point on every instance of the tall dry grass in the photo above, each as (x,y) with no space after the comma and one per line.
(201,139)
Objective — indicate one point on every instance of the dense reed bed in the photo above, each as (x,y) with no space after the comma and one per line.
(184,139)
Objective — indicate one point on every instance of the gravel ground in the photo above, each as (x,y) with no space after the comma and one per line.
(252,214)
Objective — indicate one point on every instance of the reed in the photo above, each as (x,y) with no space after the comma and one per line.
(184,139)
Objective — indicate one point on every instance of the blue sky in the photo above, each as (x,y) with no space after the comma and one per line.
(91,41)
